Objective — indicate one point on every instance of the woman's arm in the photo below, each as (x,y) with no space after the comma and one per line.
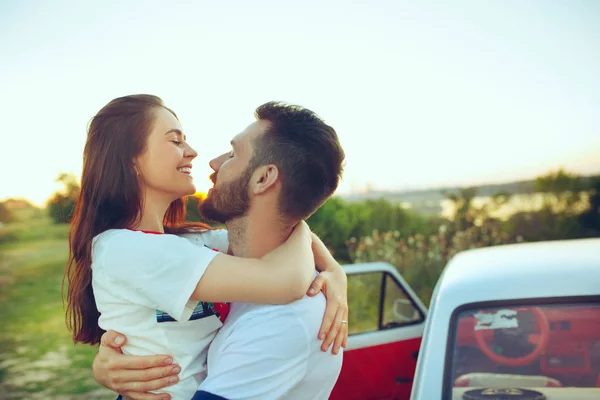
(280,277)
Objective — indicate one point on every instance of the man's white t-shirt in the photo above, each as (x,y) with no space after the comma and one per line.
(271,352)
(142,284)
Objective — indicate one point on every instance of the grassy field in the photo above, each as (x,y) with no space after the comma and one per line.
(38,360)
(37,357)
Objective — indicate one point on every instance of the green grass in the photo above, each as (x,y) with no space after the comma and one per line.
(37,357)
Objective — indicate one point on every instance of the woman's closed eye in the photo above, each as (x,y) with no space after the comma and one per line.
(177,142)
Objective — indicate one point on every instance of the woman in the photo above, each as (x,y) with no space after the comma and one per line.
(130,273)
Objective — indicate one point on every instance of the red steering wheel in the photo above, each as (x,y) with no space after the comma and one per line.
(540,340)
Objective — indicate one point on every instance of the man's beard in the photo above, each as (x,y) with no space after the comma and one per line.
(230,201)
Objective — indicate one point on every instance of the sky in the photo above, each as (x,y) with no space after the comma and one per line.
(422,94)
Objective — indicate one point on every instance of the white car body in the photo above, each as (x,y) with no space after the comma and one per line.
(557,270)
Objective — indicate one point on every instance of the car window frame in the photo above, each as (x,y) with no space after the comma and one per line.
(382,292)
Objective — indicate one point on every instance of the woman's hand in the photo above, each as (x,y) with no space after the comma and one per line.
(132,376)
(332,281)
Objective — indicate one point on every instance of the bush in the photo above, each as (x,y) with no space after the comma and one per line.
(338,220)
(62,203)
(60,208)
(6,215)
(7,236)
(421,258)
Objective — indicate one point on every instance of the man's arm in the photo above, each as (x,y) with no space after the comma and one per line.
(261,357)
(132,376)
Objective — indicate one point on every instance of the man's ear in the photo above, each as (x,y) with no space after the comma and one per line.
(264,178)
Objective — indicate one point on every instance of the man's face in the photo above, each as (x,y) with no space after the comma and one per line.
(230,196)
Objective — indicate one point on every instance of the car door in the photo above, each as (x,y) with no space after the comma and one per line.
(386,321)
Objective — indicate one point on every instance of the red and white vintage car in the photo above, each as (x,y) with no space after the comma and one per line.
(386,322)
(519,322)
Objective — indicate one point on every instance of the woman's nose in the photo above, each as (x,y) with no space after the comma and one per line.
(190,152)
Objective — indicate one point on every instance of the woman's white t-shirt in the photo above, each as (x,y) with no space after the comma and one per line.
(142,285)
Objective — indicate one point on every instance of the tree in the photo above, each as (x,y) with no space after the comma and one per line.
(333,223)
(62,203)
(590,218)
(465,214)
(193,215)
(570,209)
(562,192)
(338,221)
(6,215)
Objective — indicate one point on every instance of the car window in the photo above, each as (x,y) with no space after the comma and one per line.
(398,309)
(367,311)
(533,350)
(364,297)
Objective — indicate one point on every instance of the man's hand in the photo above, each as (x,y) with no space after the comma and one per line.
(332,281)
(132,376)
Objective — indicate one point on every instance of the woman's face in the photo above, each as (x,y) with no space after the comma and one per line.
(166,164)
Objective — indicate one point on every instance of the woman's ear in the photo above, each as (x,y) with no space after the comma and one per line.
(136,170)
(264,178)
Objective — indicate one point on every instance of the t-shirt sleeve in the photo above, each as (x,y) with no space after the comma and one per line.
(262,358)
(157,271)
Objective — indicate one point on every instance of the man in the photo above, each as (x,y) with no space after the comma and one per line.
(280,170)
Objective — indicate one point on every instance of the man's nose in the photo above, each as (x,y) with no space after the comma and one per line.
(216,163)
(213,164)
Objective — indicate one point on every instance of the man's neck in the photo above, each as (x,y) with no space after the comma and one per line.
(256,234)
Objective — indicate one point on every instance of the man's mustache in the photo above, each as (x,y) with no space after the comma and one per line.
(213,177)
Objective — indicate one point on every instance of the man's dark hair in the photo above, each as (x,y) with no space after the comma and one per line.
(307,153)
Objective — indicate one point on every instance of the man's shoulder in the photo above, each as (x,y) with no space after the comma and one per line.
(309,311)
(304,306)
(216,239)
(306,313)
(262,328)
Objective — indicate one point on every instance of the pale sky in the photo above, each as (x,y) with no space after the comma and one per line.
(422,94)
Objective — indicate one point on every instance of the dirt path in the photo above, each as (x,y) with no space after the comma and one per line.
(39,379)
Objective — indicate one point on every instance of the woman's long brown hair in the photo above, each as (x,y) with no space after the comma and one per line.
(111,198)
